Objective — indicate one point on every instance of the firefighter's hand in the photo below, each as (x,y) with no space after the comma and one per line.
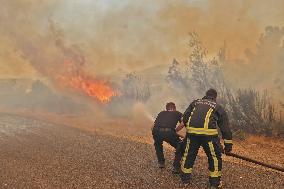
(181,136)
(228,148)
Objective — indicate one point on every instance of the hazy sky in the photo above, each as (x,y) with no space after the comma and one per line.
(126,35)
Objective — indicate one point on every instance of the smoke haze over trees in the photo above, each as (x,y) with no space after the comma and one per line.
(127,47)
(249,110)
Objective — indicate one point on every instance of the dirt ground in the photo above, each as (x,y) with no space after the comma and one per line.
(40,154)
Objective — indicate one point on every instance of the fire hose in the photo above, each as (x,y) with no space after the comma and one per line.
(256,162)
(275,167)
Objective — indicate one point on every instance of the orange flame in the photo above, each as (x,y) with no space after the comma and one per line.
(74,77)
(93,88)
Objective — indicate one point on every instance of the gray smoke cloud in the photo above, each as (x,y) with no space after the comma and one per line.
(108,39)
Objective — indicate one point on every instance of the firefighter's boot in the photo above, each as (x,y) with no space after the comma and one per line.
(220,186)
(175,170)
(161,165)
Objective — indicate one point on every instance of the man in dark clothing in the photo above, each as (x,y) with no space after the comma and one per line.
(202,118)
(164,130)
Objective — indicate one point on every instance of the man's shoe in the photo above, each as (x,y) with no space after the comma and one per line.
(175,171)
(185,183)
(185,179)
(161,165)
(217,187)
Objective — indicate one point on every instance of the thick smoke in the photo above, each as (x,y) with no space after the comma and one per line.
(134,35)
(109,39)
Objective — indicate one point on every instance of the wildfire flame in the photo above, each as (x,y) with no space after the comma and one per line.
(80,81)
(94,88)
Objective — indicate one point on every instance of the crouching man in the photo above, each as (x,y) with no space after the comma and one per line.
(164,130)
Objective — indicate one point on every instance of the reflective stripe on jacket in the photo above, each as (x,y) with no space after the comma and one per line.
(204,116)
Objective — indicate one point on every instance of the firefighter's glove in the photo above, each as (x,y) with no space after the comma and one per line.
(228,148)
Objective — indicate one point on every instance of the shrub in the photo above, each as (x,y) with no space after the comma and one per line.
(249,110)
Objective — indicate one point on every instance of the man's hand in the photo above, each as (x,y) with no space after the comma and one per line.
(181,136)
(179,127)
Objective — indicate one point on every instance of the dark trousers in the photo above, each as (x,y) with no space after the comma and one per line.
(213,150)
(169,136)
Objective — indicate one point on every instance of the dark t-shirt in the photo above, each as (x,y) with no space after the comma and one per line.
(168,119)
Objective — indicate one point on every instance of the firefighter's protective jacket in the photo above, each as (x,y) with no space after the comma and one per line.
(204,116)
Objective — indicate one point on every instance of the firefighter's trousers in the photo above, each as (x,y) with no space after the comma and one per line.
(168,135)
(213,150)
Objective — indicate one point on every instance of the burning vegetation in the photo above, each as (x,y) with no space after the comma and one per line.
(72,75)
(97,89)
(74,59)
(80,81)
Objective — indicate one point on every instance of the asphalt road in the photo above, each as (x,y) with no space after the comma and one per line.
(36,154)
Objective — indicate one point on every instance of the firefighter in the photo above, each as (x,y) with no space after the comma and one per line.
(164,130)
(201,119)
